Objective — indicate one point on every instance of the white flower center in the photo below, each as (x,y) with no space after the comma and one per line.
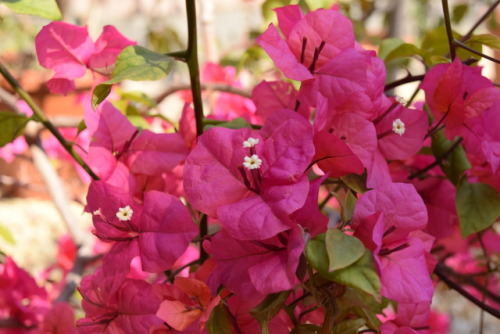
(398,126)
(252,162)
(125,213)
(399,99)
(250,142)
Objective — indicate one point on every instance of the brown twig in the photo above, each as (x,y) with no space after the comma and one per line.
(437,162)
(39,115)
(225,88)
(409,78)
(449,32)
(479,21)
(480,54)
(445,273)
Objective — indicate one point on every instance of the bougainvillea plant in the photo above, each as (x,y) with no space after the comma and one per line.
(319,203)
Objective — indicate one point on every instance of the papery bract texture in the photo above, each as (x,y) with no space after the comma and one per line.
(251,203)
(160,228)
(269,265)
(68,50)
(401,205)
(131,308)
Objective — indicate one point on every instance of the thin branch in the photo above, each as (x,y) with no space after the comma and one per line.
(486,281)
(480,54)
(444,273)
(174,273)
(205,86)
(437,162)
(40,116)
(449,32)
(479,21)
(409,78)
(203,234)
(192,62)
(469,280)
(194,77)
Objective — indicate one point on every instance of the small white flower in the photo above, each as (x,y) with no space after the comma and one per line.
(97,212)
(250,142)
(398,126)
(399,99)
(125,213)
(252,162)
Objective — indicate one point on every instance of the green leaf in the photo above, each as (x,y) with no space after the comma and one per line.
(354,301)
(459,12)
(387,46)
(268,308)
(6,235)
(342,249)
(134,63)
(317,4)
(489,40)
(219,321)
(133,115)
(237,123)
(478,206)
(455,163)
(403,51)
(44,8)
(139,97)
(350,326)
(360,275)
(11,126)
(81,126)
(355,182)
(348,208)
(100,93)
(435,46)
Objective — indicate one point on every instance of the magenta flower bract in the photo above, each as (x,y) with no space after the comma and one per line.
(251,199)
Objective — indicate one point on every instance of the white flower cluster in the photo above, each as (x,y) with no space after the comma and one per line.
(125,213)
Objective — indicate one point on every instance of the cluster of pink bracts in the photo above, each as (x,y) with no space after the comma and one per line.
(259,188)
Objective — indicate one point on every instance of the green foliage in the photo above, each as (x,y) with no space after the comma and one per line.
(403,50)
(478,206)
(268,309)
(455,163)
(44,8)
(349,326)
(11,126)
(360,274)
(268,8)
(6,235)
(342,249)
(362,304)
(435,46)
(485,39)
(219,321)
(356,183)
(348,208)
(316,4)
(134,63)
(237,123)
(459,12)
